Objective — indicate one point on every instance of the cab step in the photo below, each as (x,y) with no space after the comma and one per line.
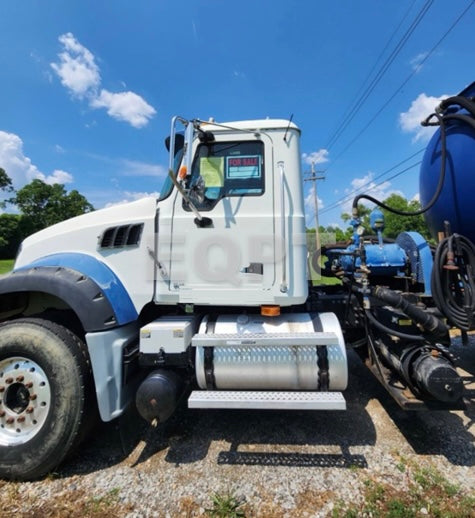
(266,400)
(261,339)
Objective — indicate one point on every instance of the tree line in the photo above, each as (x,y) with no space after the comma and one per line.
(394,224)
(37,205)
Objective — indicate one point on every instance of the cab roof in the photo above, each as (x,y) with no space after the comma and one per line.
(259,124)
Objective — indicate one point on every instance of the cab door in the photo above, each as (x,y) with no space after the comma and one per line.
(232,260)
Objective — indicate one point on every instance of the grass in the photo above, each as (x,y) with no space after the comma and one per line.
(73,504)
(225,506)
(6,265)
(429,493)
(318,279)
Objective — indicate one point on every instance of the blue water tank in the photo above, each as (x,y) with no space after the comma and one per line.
(456,202)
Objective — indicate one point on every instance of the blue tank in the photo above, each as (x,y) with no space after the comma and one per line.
(456,202)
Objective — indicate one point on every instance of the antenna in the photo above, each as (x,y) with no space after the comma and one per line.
(287,130)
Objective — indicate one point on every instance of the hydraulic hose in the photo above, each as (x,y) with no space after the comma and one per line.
(429,322)
(442,119)
(389,331)
(459,100)
(436,194)
(461,117)
(452,282)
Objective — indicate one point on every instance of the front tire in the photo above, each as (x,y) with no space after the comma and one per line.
(43,376)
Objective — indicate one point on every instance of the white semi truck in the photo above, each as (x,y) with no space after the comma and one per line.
(203,295)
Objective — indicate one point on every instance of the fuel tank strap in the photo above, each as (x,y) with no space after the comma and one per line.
(322,357)
(323,372)
(209,355)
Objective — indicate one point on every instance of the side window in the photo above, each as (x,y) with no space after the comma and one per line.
(226,169)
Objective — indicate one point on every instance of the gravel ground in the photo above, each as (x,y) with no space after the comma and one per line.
(277,463)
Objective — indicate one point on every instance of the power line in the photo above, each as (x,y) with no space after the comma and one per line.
(381,54)
(380,183)
(403,84)
(351,194)
(379,75)
(377,177)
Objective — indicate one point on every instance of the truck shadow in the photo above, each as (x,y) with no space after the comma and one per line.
(285,438)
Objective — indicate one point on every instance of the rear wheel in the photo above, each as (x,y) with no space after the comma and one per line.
(43,376)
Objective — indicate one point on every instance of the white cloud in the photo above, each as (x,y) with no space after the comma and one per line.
(127,167)
(137,168)
(58,176)
(128,196)
(417,61)
(77,68)
(80,74)
(421,108)
(310,206)
(125,106)
(20,168)
(366,185)
(316,157)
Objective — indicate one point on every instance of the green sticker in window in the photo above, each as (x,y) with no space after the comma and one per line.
(212,171)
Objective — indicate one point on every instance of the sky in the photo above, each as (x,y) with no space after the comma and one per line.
(88,88)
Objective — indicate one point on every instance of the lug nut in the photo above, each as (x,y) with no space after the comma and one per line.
(2,389)
(20,379)
(29,385)
(2,413)
(21,419)
(33,397)
(10,420)
(29,410)
(8,381)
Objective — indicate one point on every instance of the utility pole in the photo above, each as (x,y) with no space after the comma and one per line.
(313,178)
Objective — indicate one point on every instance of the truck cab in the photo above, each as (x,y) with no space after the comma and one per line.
(245,179)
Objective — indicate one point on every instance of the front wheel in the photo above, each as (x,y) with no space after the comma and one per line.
(43,376)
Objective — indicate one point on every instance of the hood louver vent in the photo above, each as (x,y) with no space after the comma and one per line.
(124,235)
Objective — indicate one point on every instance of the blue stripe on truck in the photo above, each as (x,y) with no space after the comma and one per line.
(101,274)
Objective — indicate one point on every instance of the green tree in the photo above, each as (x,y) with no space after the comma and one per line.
(44,205)
(395,224)
(13,229)
(5,185)
(338,234)
(364,213)
(5,181)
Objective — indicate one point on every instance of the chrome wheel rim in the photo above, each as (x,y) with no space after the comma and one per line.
(25,400)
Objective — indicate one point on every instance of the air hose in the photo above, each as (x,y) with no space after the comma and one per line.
(452,282)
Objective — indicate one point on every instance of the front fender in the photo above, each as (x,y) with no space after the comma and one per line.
(88,286)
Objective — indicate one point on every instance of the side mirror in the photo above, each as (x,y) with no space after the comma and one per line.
(179,142)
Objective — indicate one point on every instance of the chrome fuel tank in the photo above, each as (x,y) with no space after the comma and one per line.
(291,365)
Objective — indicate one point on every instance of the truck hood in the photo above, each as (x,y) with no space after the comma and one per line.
(81,234)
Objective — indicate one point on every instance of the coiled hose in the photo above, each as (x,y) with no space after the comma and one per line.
(452,282)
